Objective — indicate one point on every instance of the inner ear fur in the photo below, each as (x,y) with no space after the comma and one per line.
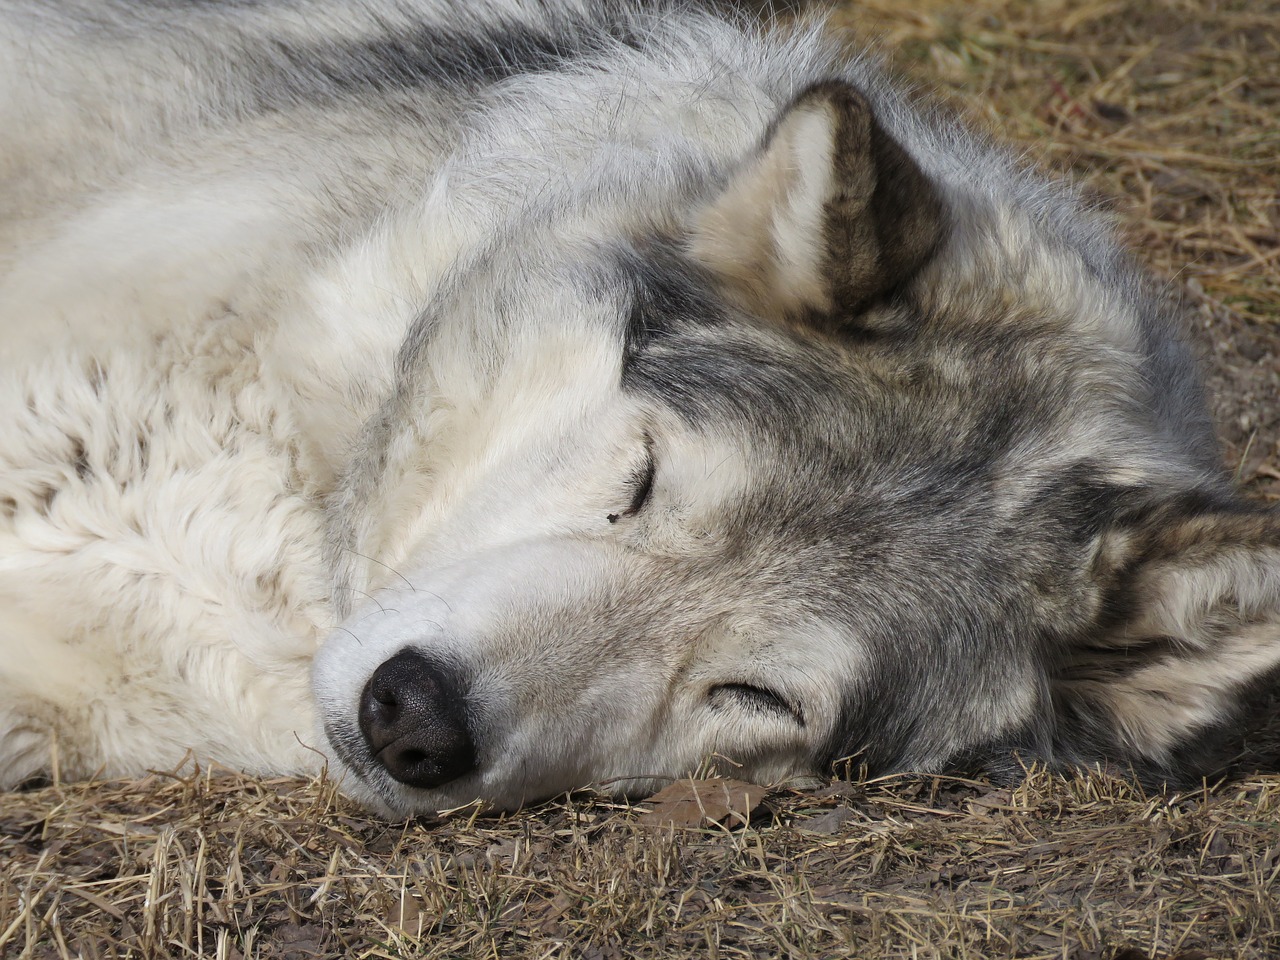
(1190,635)
(827,216)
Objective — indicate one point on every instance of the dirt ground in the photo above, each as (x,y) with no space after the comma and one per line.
(1168,111)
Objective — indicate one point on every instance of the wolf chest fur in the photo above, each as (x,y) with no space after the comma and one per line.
(488,399)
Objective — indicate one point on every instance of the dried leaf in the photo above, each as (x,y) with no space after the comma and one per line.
(696,803)
(550,913)
(408,917)
(294,941)
(985,803)
(829,822)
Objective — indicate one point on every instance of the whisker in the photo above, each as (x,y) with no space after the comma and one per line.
(386,565)
(441,599)
(366,594)
(352,635)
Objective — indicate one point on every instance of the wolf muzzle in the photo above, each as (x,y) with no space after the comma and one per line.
(414,722)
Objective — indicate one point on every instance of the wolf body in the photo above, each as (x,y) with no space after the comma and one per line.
(487,399)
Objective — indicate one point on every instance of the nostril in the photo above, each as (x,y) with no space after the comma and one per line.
(383,704)
(378,716)
(385,680)
(413,718)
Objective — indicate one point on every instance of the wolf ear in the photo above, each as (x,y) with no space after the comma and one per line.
(828,215)
(1190,634)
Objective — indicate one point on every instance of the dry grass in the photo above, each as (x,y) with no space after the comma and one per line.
(1166,109)
(906,867)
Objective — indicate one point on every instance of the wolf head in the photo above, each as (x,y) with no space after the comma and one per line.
(851,457)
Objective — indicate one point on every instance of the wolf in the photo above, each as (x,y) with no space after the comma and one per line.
(486,399)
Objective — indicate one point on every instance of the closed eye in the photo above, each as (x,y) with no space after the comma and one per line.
(751,697)
(641,484)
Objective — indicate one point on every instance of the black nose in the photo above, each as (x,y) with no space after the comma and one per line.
(413,718)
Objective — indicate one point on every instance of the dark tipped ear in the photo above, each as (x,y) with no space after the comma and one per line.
(1191,632)
(827,216)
